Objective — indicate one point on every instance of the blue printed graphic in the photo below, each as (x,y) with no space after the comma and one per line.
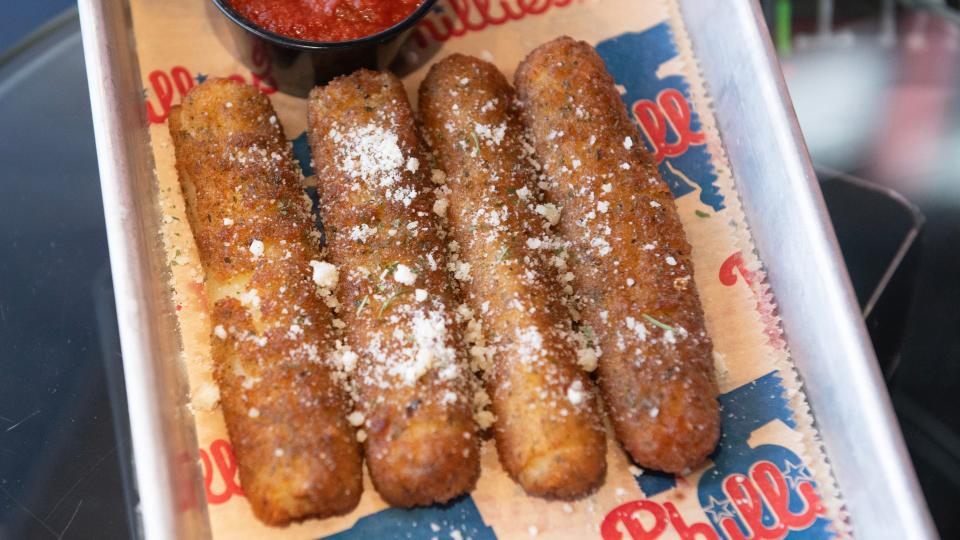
(652,482)
(744,410)
(633,59)
(301,151)
(438,521)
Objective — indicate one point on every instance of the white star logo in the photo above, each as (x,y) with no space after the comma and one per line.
(795,474)
(718,509)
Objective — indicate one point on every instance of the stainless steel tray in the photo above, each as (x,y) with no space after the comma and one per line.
(782,202)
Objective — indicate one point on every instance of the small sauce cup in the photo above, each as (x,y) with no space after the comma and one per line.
(297,65)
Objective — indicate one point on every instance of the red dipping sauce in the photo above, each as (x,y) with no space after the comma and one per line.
(325,20)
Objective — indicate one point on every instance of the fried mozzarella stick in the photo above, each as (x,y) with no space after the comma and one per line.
(548,431)
(414,383)
(629,255)
(272,334)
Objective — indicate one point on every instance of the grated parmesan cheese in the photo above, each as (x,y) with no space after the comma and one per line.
(550,212)
(325,275)
(404,275)
(369,153)
(362,232)
(462,271)
(413,164)
(576,393)
(256,249)
(587,359)
(440,207)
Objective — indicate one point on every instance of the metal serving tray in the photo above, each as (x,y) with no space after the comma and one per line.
(782,202)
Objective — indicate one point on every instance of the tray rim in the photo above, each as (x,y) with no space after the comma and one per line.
(165,452)
(113,76)
(877,482)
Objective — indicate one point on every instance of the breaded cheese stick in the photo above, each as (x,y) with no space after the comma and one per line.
(548,430)
(272,335)
(399,304)
(629,255)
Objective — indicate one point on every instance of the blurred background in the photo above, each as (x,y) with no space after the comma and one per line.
(875,86)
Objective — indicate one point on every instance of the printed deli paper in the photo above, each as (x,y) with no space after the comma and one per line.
(767,479)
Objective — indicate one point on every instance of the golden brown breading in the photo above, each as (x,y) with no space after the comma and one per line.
(272,335)
(631,259)
(548,430)
(399,304)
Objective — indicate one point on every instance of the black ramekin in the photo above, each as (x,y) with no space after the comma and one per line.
(296,65)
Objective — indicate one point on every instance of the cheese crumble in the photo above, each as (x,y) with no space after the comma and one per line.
(576,393)
(256,249)
(550,212)
(440,207)
(325,275)
(404,275)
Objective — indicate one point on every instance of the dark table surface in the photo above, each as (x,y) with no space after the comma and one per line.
(64,461)
(61,474)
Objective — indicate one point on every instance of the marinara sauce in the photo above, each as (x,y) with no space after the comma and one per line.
(325,20)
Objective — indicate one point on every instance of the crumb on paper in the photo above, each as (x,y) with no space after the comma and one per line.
(205,397)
